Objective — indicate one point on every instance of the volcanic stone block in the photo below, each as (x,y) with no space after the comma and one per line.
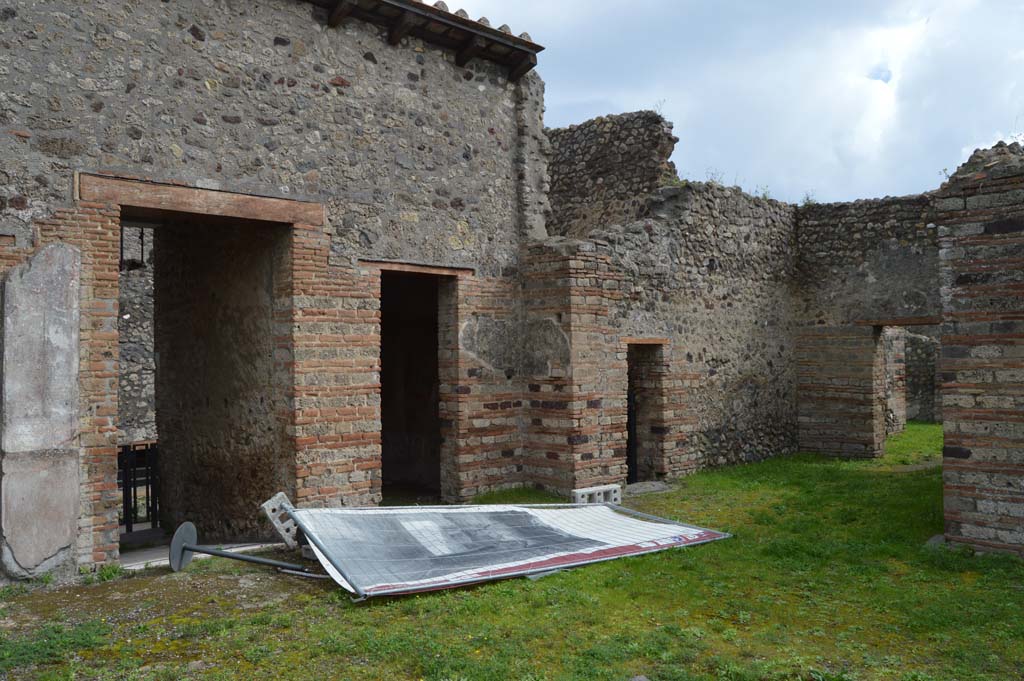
(40,351)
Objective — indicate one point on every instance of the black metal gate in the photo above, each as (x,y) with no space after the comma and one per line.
(139,482)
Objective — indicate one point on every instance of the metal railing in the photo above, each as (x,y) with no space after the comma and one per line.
(139,481)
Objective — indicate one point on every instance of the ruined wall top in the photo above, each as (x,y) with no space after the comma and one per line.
(604,171)
(1001,160)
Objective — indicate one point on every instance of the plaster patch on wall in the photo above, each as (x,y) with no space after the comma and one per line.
(39,510)
(545,347)
(40,351)
(493,342)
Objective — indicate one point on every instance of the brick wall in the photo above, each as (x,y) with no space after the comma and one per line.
(550,413)
(335,328)
(94,229)
(648,367)
(980,213)
(484,437)
(841,387)
(576,433)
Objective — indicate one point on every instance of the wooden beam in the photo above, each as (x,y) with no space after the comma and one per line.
(389,266)
(628,340)
(474,47)
(152,195)
(403,24)
(341,11)
(525,65)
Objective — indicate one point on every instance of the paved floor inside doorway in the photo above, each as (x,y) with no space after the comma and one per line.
(156,556)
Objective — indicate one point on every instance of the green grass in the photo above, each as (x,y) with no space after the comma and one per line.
(919,443)
(827,577)
(49,643)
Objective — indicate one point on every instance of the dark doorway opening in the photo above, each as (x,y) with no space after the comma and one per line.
(220,290)
(410,386)
(644,408)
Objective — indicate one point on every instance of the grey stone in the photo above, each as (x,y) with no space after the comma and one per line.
(649,487)
(40,351)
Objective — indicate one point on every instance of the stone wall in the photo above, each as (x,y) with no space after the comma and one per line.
(421,159)
(708,274)
(414,158)
(710,270)
(861,266)
(924,395)
(136,401)
(980,213)
(867,261)
(603,171)
(894,345)
(768,317)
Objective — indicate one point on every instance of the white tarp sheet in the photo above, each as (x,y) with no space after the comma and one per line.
(383,551)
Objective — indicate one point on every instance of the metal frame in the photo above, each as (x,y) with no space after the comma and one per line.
(361,595)
(183,547)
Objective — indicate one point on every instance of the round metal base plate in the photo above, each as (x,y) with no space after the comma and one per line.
(179,556)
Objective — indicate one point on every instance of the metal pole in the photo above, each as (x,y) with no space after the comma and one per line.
(245,559)
(183,546)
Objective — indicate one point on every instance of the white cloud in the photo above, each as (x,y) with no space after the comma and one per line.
(781,94)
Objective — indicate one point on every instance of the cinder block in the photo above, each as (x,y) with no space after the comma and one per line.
(604,494)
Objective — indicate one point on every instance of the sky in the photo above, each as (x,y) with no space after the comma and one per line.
(833,99)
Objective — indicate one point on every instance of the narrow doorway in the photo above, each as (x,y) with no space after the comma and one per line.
(644,400)
(410,386)
(137,471)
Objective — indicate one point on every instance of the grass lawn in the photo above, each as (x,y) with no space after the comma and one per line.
(827,577)
(920,443)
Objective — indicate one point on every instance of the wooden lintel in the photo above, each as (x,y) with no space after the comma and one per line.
(181,199)
(341,11)
(471,49)
(645,341)
(526,64)
(388,266)
(403,24)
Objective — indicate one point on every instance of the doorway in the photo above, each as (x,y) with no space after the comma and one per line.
(410,388)
(644,409)
(219,288)
(137,473)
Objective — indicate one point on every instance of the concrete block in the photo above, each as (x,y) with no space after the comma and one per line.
(40,351)
(39,509)
(605,494)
